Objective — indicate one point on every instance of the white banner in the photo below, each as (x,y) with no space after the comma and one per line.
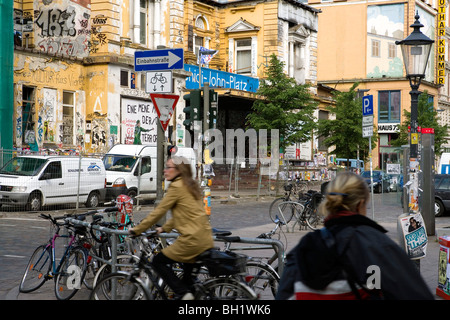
(144,112)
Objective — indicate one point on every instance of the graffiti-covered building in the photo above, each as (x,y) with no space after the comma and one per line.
(75,84)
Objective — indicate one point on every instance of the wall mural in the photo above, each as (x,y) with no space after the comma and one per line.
(385,24)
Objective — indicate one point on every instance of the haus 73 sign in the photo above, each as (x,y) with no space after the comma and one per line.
(388,127)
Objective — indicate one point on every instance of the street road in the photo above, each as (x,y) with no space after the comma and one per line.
(21,232)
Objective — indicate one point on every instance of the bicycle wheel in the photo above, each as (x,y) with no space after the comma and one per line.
(126,287)
(280,211)
(122,260)
(71,273)
(225,289)
(37,271)
(313,219)
(263,279)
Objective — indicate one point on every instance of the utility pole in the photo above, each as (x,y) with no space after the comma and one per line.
(6,75)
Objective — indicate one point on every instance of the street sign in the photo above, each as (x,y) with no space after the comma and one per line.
(155,60)
(367,103)
(164,106)
(158,82)
(367,121)
(367,131)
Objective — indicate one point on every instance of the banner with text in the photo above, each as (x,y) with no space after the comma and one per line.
(141,114)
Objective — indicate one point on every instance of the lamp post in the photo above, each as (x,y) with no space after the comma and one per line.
(416,50)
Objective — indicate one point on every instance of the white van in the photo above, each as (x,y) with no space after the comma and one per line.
(444,164)
(36,181)
(122,169)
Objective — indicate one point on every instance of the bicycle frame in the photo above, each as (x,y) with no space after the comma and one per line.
(52,244)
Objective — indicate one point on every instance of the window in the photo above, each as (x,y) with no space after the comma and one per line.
(143,22)
(68,114)
(389,106)
(244,56)
(392,51)
(28,115)
(323,115)
(124,78)
(198,42)
(53,171)
(375,48)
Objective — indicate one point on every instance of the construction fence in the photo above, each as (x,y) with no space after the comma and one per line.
(66,179)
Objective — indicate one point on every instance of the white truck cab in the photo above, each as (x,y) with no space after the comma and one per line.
(130,168)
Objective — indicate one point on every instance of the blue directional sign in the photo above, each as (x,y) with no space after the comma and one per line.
(156,60)
(367,103)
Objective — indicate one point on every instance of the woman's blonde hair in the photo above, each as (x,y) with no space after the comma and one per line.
(184,167)
(345,192)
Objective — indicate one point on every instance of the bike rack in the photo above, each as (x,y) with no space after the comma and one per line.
(274,244)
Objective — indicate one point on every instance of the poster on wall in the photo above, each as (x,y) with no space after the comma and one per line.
(414,235)
(138,122)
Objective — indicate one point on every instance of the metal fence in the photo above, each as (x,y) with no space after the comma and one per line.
(66,179)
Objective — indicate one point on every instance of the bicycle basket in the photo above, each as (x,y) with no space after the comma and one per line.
(220,263)
(288,187)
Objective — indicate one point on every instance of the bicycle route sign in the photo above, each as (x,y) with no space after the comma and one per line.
(158,82)
(159,60)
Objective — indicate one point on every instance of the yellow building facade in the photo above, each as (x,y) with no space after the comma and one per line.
(74,80)
(357,44)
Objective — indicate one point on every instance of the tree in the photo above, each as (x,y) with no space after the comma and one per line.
(427,117)
(345,132)
(286,106)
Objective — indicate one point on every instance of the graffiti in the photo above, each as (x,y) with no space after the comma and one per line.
(40,130)
(19,128)
(96,38)
(54,78)
(100,20)
(47,114)
(57,23)
(65,46)
(98,135)
(63,31)
(79,130)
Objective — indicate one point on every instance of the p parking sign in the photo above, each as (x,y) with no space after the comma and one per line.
(367,104)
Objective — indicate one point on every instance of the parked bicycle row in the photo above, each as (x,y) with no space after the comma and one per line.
(101,256)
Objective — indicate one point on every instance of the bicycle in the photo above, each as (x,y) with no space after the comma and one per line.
(144,283)
(261,276)
(292,190)
(305,211)
(70,271)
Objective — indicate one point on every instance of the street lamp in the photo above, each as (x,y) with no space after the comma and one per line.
(416,50)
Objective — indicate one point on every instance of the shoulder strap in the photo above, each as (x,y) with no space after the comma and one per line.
(330,242)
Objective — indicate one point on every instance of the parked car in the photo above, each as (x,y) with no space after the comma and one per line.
(381,180)
(441,194)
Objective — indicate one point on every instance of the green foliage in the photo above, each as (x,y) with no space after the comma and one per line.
(287,106)
(427,117)
(345,131)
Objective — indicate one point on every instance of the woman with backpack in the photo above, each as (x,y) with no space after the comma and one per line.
(351,257)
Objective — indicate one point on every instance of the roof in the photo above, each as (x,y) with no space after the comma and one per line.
(226,2)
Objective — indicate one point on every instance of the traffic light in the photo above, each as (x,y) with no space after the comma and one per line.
(213,110)
(194,108)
